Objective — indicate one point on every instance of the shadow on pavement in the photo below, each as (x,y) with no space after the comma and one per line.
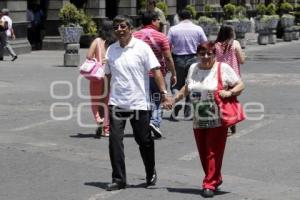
(80,135)
(193,191)
(97,184)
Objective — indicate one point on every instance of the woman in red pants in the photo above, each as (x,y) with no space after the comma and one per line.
(97,50)
(209,133)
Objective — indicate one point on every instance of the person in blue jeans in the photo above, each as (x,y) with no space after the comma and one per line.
(161,47)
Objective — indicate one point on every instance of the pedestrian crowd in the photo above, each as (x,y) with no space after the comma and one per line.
(136,61)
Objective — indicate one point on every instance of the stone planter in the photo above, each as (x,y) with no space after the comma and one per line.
(208,24)
(287,34)
(70,34)
(70,37)
(287,20)
(206,28)
(263,37)
(263,32)
(272,38)
(295,33)
(272,22)
(241,27)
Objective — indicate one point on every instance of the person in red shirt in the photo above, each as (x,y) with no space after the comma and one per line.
(160,45)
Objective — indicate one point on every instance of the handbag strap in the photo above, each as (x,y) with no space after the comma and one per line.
(220,84)
(147,33)
(99,58)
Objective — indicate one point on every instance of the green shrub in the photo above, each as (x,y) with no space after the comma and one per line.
(87,23)
(286,8)
(208,10)
(163,6)
(297,8)
(229,11)
(192,9)
(240,12)
(271,9)
(207,20)
(69,15)
(261,9)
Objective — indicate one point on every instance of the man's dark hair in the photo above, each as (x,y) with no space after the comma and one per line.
(148,16)
(123,18)
(185,14)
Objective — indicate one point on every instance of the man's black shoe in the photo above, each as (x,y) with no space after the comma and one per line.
(14,58)
(152,179)
(115,186)
(1,58)
(208,193)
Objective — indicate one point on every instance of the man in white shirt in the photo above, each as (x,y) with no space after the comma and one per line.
(129,61)
(6,35)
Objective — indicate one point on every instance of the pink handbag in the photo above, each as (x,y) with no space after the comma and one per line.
(231,111)
(93,69)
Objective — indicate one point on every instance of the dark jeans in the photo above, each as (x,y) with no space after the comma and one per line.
(182,66)
(139,120)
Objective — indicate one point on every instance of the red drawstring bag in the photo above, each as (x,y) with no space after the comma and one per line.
(231,111)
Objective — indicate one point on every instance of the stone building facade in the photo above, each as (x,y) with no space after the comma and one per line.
(99,9)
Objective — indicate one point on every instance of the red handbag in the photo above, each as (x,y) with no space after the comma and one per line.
(231,111)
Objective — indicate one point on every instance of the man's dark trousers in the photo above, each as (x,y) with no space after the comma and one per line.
(139,120)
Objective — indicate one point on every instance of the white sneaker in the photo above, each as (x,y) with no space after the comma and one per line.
(157,133)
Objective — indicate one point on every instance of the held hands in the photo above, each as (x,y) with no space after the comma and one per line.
(167,101)
(225,93)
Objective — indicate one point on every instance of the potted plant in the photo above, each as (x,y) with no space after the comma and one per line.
(261,25)
(207,22)
(272,22)
(89,29)
(236,16)
(70,31)
(286,20)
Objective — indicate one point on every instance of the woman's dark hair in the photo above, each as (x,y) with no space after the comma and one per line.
(208,46)
(226,35)
(106,32)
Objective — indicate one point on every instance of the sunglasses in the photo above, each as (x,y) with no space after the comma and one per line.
(203,53)
(121,26)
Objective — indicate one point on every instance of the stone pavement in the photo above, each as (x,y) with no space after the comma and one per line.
(47,158)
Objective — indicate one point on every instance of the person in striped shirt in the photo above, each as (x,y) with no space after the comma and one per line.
(160,45)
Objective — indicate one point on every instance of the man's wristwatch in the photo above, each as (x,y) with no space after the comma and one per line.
(164,92)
